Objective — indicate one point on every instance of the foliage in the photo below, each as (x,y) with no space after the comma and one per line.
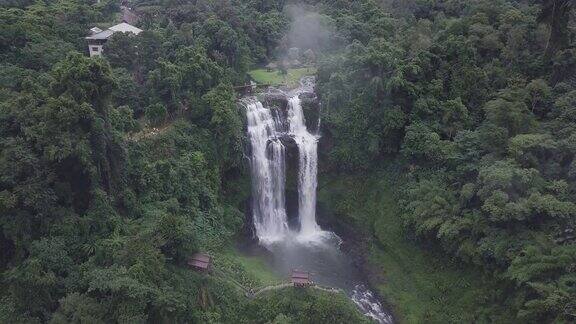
(417,281)
(472,99)
(96,227)
(303,306)
(156,113)
(225,122)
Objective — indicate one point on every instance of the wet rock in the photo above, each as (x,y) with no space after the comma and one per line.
(289,142)
(311,108)
(279,99)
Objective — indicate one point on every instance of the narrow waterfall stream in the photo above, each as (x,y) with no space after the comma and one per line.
(308,168)
(308,247)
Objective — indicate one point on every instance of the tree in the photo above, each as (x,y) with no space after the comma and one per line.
(85,80)
(509,114)
(156,113)
(424,145)
(225,122)
(121,51)
(539,93)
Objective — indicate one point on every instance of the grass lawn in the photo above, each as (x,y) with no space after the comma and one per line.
(259,269)
(274,77)
(422,285)
(250,272)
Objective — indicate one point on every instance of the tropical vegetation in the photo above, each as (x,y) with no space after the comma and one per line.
(449,134)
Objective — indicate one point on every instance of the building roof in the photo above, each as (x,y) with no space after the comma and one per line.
(122,27)
(300,281)
(101,35)
(95,30)
(300,277)
(300,274)
(126,28)
(201,261)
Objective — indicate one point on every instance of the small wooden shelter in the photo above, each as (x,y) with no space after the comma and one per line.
(301,279)
(200,262)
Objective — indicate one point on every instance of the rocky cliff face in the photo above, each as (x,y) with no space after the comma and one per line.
(312,108)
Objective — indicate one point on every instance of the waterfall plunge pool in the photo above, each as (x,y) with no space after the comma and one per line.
(329,266)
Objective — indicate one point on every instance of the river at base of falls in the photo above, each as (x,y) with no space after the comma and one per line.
(329,266)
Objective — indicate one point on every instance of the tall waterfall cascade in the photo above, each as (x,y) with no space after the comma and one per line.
(268,168)
(308,167)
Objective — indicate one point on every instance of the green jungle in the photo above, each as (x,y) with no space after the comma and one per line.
(447,158)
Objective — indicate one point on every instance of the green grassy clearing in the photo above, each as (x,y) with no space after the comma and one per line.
(257,267)
(263,76)
(423,286)
(250,272)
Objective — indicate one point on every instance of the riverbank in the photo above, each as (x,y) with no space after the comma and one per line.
(420,284)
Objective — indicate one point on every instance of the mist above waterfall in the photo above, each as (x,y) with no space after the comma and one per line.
(309,30)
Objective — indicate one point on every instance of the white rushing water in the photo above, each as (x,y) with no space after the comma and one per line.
(268,174)
(369,305)
(268,167)
(308,168)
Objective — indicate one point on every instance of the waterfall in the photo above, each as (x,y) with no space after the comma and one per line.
(266,127)
(268,174)
(311,247)
(308,167)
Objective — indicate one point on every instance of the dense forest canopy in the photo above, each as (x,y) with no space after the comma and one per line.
(474,99)
(114,170)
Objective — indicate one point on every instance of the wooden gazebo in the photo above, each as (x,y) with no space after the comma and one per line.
(301,279)
(200,262)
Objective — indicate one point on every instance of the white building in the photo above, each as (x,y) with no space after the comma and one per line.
(98,37)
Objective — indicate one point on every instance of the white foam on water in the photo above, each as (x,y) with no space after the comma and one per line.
(369,305)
